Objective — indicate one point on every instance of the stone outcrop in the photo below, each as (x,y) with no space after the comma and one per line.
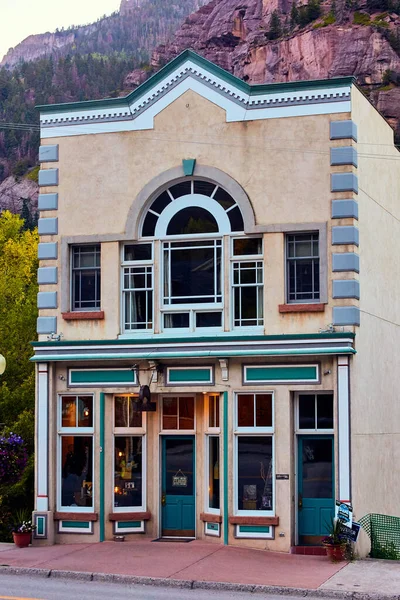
(13,192)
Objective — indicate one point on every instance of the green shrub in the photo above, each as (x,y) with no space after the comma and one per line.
(329,19)
(361,19)
(33,175)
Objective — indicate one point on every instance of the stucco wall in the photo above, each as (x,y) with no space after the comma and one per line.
(375,380)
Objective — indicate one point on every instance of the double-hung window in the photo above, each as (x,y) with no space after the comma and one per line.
(212,452)
(302,267)
(85,277)
(254,451)
(75,462)
(247,282)
(129,456)
(137,290)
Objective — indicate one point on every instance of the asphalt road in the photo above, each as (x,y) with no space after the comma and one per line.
(21,587)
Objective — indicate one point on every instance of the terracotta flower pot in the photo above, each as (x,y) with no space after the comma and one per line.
(22,540)
(335,552)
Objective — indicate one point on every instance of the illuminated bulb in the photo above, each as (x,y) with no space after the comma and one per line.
(116,489)
(120,453)
(86,412)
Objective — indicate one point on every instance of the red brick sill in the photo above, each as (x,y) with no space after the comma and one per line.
(301,308)
(70,516)
(82,316)
(254,520)
(210,518)
(130,516)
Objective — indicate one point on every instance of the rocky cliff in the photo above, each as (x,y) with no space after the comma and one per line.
(236,34)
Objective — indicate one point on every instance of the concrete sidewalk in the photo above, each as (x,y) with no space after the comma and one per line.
(200,564)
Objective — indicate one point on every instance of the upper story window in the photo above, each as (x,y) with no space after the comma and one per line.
(85,277)
(137,286)
(247,282)
(302,267)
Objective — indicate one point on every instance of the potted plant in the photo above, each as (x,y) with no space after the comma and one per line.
(22,529)
(335,542)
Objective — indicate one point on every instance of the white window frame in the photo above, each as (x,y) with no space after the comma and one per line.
(74,432)
(208,509)
(136,264)
(131,432)
(253,432)
(245,258)
(177,431)
(207,428)
(314,430)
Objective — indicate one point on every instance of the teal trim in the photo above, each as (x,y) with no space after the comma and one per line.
(188,166)
(212,69)
(103,376)
(76,524)
(40,525)
(234,338)
(200,354)
(226,465)
(190,375)
(102,474)
(179,511)
(129,524)
(309,373)
(254,528)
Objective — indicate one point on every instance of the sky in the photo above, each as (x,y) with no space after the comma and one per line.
(20,18)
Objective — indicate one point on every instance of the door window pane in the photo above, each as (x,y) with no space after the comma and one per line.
(254,476)
(179,467)
(317,468)
(128,471)
(213,472)
(77,470)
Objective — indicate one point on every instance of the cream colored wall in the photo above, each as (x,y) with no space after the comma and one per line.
(282,164)
(284,452)
(375,378)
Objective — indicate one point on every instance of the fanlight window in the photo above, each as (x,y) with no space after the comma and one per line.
(193,219)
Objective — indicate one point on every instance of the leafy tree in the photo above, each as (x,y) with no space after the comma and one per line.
(18,289)
(294,16)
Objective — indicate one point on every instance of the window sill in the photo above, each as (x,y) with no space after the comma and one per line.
(253,520)
(75,516)
(130,516)
(210,518)
(301,308)
(83,316)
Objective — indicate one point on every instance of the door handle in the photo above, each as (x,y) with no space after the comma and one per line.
(163,499)
(300,501)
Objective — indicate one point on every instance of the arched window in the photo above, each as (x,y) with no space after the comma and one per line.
(190,221)
(182,209)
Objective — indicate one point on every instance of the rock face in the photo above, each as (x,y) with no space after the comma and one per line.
(13,192)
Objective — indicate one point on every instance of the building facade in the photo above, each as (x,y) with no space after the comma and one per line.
(218,317)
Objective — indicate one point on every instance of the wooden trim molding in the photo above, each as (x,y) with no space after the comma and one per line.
(81,316)
(297,308)
(210,518)
(130,516)
(67,516)
(235,520)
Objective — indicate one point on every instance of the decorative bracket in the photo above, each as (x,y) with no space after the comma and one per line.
(154,367)
(224,364)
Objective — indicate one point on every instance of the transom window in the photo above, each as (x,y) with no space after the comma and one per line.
(302,258)
(315,412)
(178,412)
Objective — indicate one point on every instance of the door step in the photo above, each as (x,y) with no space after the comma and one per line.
(174,539)
(308,550)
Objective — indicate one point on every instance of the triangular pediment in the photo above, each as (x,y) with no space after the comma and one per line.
(189,71)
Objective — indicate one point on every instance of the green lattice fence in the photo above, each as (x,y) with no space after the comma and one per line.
(384,533)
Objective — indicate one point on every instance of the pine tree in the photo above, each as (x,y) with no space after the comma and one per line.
(275,26)
(294,16)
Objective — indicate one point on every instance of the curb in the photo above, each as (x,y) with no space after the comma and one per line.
(196,585)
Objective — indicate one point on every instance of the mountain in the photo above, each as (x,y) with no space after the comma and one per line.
(135,31)
(265,41)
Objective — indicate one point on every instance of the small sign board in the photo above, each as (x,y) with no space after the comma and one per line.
(179,479)
(344,513)
(282,476)
(351,533)
(129,485)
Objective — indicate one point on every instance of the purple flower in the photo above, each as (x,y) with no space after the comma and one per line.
(13,458)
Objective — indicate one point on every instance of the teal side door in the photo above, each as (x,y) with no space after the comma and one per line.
(178,486)
(316,487)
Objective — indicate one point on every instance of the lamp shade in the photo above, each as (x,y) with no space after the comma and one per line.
(2,364)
